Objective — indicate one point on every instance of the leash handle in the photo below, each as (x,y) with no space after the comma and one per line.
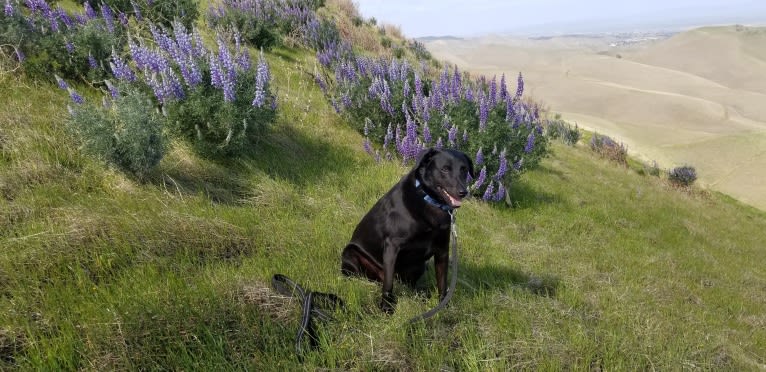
(309,310)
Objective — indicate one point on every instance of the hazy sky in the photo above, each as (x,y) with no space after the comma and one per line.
(472,17)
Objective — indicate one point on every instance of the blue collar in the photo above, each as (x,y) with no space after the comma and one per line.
(431,200)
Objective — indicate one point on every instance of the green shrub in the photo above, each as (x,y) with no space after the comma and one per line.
(559,129)
(683,176)
(124,131)
(220,128)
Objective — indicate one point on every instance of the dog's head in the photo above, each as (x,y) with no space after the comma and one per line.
(444,175)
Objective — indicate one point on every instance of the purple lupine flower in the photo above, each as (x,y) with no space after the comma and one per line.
(517,165)
(20,55)
(468,93)
(69,46)
(530,143)
(61,83)
(465,135)
(503,90)
(367,146)
(113,91)
(406,88)
(418,86)
(216,77)
(519,87)
(493,91)
(404,69)
(92,61)
(411,138)
(8,8)
(261,81)
(457,85)
(388,137)
(227,63)
(198,48)
(488,193)
(510,113)
(120,69)
(452,136)
(345,98)
(483,111)
(502,168)
(123,19)
(480,180)
(81,19)
(106,13)
(435,100)
(439,144)
(76,98)
(172,84)
(243,57)
(444,84)
(136,11)
(367,124)
(320,81)
(500,194)
(64,17)
(479,158)
(426,133)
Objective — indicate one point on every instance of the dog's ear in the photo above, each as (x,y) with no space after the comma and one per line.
(470,165)
(424,157)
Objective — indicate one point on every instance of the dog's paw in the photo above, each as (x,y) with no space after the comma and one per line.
(387,303)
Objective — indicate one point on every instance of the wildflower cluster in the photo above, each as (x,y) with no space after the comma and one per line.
(47,40)
(217,98)
(402,109)
(263,23)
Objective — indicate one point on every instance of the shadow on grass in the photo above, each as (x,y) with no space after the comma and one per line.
(478,278)
(523,195)
(283,153)
(297,158)
(483,277)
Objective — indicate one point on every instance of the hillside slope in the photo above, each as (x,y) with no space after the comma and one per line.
(594,266)
(695,98)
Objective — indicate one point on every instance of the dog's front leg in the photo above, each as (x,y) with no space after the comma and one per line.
(441,260)
(388,300)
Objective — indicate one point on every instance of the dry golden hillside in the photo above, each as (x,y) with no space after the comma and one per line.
(695,98)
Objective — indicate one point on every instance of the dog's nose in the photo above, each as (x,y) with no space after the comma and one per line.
(463,193)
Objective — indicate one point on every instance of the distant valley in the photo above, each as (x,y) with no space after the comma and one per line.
(695,97)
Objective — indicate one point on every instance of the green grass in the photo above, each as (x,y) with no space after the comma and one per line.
(594,267)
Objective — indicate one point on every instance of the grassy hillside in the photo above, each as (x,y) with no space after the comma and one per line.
(594,266)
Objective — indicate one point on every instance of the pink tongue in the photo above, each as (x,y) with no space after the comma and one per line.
(454,202)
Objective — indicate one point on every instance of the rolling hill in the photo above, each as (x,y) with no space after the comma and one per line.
(694,98)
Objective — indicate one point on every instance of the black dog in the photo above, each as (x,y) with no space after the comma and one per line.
(409,224)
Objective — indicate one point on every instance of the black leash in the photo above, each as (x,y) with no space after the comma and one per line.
(313,302)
